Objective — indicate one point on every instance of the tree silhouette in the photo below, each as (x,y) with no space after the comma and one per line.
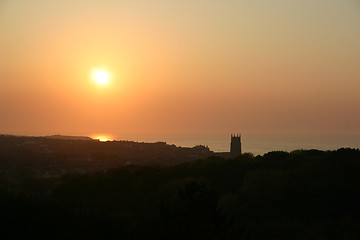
(194,214)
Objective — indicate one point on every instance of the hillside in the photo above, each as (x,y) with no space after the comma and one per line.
(22,157)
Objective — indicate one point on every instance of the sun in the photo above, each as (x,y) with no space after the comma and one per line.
(100,76)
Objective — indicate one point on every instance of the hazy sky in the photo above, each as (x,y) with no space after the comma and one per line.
(189,66)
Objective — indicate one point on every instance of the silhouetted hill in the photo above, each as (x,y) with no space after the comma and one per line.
(84,138)
(57,155)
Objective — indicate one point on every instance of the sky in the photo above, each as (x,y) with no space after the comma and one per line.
(175,67)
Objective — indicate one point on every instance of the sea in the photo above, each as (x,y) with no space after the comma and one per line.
(257,144)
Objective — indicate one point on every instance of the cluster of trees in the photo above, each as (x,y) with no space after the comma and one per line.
(299,195)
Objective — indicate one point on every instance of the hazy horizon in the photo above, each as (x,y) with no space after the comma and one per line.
(257,144)
(180,68)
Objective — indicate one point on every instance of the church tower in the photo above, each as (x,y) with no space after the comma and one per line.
(235,147)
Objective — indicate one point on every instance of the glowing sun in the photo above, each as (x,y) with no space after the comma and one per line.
(101,77)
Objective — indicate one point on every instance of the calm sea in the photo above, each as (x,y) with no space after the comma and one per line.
(254,143)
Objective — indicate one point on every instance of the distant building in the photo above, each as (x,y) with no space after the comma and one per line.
(235,147)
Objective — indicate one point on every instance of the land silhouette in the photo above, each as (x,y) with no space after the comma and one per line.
(66,187)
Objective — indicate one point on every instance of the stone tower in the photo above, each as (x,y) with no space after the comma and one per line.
(235,147)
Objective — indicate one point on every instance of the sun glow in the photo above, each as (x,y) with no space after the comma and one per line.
(100,76)
(102,138)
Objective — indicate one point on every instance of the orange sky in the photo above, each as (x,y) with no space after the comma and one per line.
(209,66)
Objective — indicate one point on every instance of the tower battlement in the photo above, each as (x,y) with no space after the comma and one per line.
(235,147)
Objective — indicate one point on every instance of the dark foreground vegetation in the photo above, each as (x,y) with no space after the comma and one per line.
(299,195)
